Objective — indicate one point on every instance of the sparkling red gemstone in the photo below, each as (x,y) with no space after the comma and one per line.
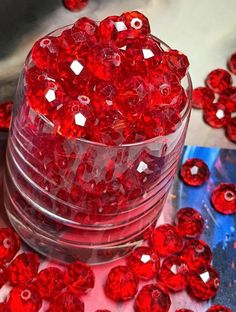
(219,308)
(5,114)
(231,129)
(217,115)
(194,172)
(176,62)
(137,24)
(189,222)
(204,282)
(202,97)
(66,302)
(75,5)
(9,244)
(151,298)
(144,262)
(166,241)
(121,284)
(223,198)
(23,268)
(232,63)
(218,80)
(196,253)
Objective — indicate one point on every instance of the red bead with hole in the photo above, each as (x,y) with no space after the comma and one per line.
(5,114)
(189,222)
(217,115)
(151,298)
(137,24)
(66,302)
(218,80)
(176,62)
(9,244)
(75,5)
(223,198)
(121,284)
(231,129)
(219,308)
(194,172)
(202,97)
(165,240)
(232,63)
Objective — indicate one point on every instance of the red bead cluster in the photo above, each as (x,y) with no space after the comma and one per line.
(218,99)
(5,114)
(109,82)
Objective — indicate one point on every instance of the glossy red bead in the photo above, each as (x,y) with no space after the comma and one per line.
(144,262)
(219,308)
(231,129)
(196,253)
(166,241)
(202,97)
(23,268)
(217,115)
(223,198)
(24,298)
(9,244)
(75,5)
(176,62)
(232,63)
(189,222)
(204,283)
(228,99)
(5,114)
(66,302)
(79,277)
(121,284)
(218,80)
(194,172)
(152,299)
(137,24)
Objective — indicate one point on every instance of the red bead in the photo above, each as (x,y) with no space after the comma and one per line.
(204,283)
(79,277)
(24,299)
(196,253)
(228,99)
(189,223)
(121,284)
(218,80)
(219,308)
(223,198)
(5,114)
(87,25)
(136,23)
(232,63)
(166,241)
(75,5)
(176,62)
(66,302)
(194,172)
(50,282)
(231,129)
(217,115)
(9,244)
(23,268)
(144,262)
(173,274)
(202,97)
(152,299)
(3,275)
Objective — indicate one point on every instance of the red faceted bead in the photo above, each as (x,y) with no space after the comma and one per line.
(219,308)
(176,62)
(3,275)
(121,284)
(196,253)
(217,115)
(144,262)
(231,129)
(165,240)
(232,63)
(66,302)
(50,282)
(202,97)
(25,298)
(136,23)
(204,282)
(79,277)
(23,268)
(218,80)
(75,5)
(189,223)
(9,244)
(194,172)
(5,114)
(228,99)
(152,299)
(223,198)
(173,274)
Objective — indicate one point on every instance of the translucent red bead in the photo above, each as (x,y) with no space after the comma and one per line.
(219,308)
(218,80)
(75,5)
(216,115)
(9,244)
(232,63)
(5,114)
(223,198)
(228,99)
(176,62)
(194,172)
(202,97)
(66,302)
(231,129)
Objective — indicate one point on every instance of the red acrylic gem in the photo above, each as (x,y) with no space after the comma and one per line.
(137,24)
(202,97)
(122,284)
(25,298)
(176,62)
(152,299)
(23,268)
(216,115)
(228,99)
(204,282)
(9,244)
(196,253)
(189,223)
(75,5)
(50,282)
(218,80)
(144,262)
(165,240)
(223,198)
(5,114)
(3,275)
(232,63)
(79,277)
(219,308)
(231,129)
(194,172)
(66,302)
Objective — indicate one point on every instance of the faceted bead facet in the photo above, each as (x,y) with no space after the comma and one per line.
(166,241)
(75,5)
(176,62)
(152,299)
(231,129)
(194,172)
(121,284)
(219,308)
(217,115)
(218,80)
(66,302)
(189,222)
(228,99)
(202,97)
(232,63)
(9,244)
(223,198)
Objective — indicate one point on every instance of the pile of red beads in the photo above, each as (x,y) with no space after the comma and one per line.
(113,80)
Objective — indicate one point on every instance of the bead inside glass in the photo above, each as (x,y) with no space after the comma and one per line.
(73,199)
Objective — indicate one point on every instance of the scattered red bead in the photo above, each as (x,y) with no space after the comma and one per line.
(232,63)
(75,5)
(218,80)
(217,115)
(223,198)
(66,302)
(9,244)
(219,308)
(121,284)
(231,129)
(5,114)
(202,97)
(194,172)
